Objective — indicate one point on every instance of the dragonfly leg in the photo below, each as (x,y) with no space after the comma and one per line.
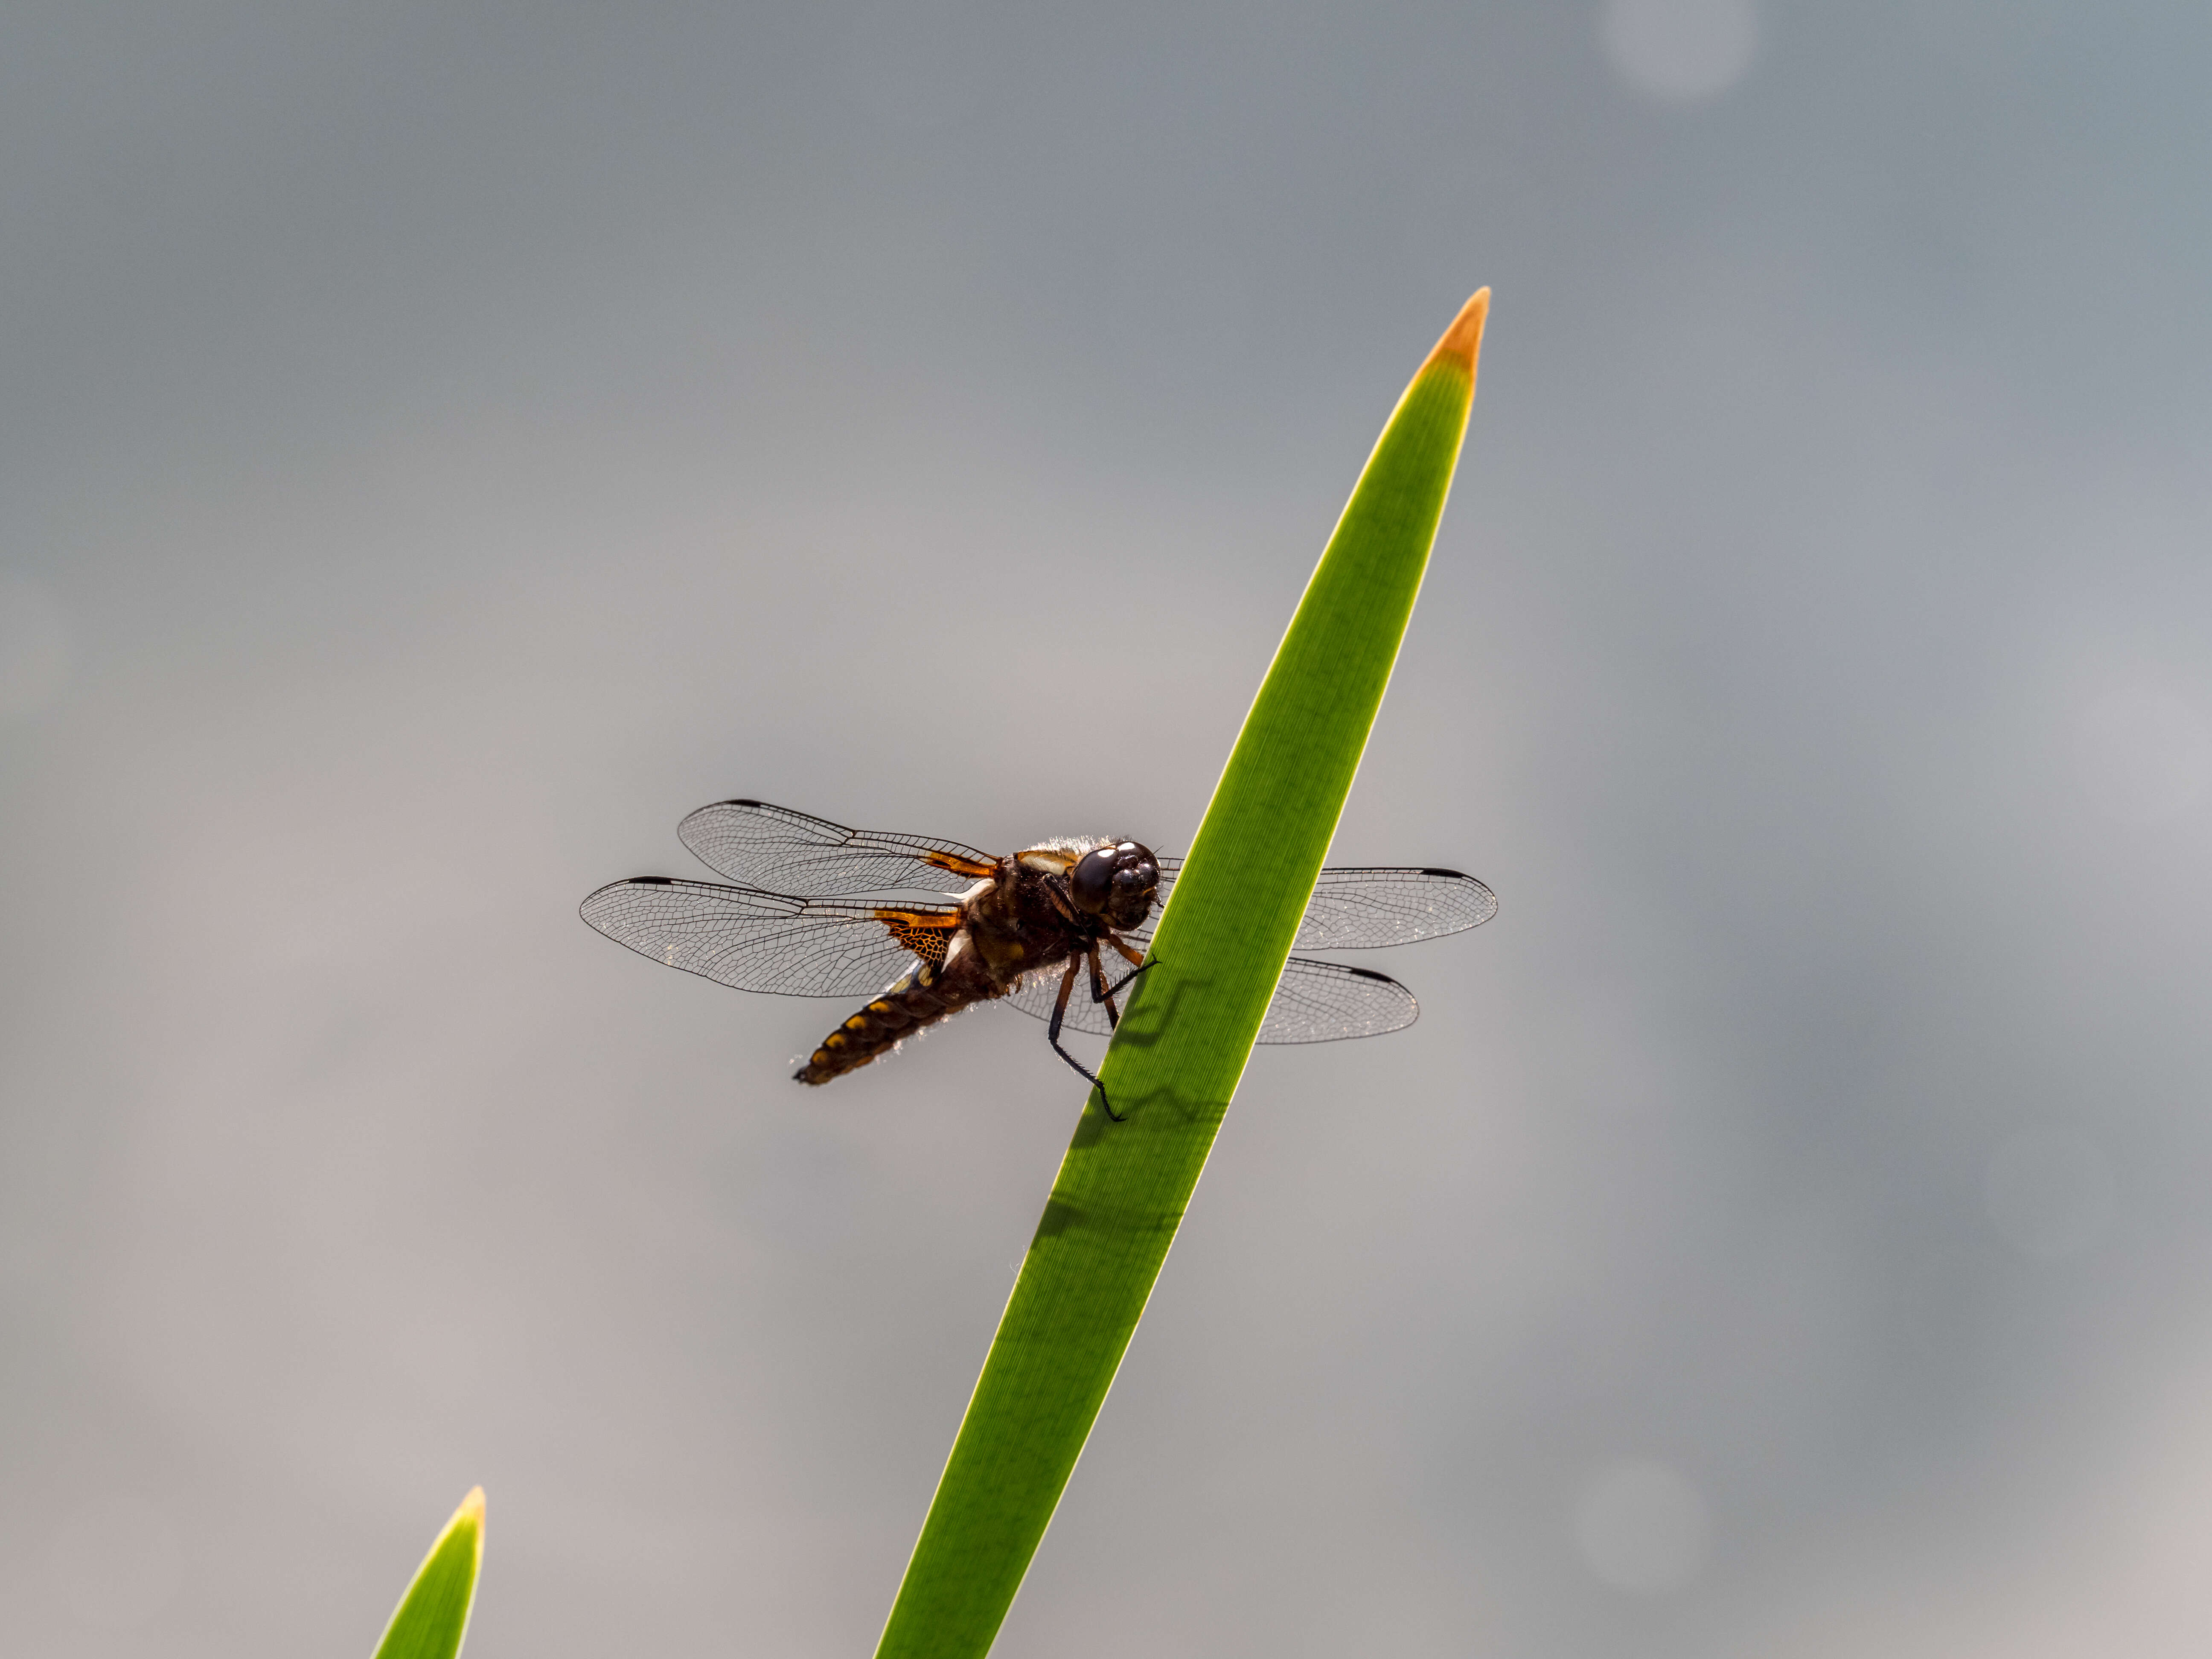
(1100,993)
(1052,1036)
(1140,967)
(1060,901)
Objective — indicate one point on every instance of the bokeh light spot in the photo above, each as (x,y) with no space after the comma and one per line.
(2146,754)
(1683,50)
(1641,1527)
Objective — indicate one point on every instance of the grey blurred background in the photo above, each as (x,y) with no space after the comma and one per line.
(440,446)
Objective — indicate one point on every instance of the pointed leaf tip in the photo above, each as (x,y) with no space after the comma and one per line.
(432,1616)
(1462,342)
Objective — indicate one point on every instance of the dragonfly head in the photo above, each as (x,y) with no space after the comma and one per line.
(1115,883)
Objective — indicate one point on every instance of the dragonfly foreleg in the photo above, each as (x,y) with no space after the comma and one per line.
(1128,955)
(1052,1036)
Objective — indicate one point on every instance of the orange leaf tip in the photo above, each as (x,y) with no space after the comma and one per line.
(1462,342)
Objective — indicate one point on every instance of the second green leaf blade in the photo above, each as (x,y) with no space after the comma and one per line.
(432,1617)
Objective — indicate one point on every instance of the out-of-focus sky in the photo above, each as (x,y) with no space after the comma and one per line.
(440,446)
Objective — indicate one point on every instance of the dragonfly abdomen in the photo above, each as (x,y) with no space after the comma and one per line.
(926,995)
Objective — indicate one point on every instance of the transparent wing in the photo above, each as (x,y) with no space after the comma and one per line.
(1358,909)
(1363,908)
(1322,1001)
(756,941)
(1316,1002)
(786,852)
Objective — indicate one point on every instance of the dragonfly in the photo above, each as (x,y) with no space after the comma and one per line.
(820,910)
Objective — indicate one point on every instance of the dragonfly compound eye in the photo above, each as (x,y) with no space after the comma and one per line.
(1092,880)
(1136,879)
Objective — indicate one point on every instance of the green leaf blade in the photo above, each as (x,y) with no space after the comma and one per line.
(1175,1061)
(432,1617)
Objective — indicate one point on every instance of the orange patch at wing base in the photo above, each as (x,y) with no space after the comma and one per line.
(972,868)
(928,933)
